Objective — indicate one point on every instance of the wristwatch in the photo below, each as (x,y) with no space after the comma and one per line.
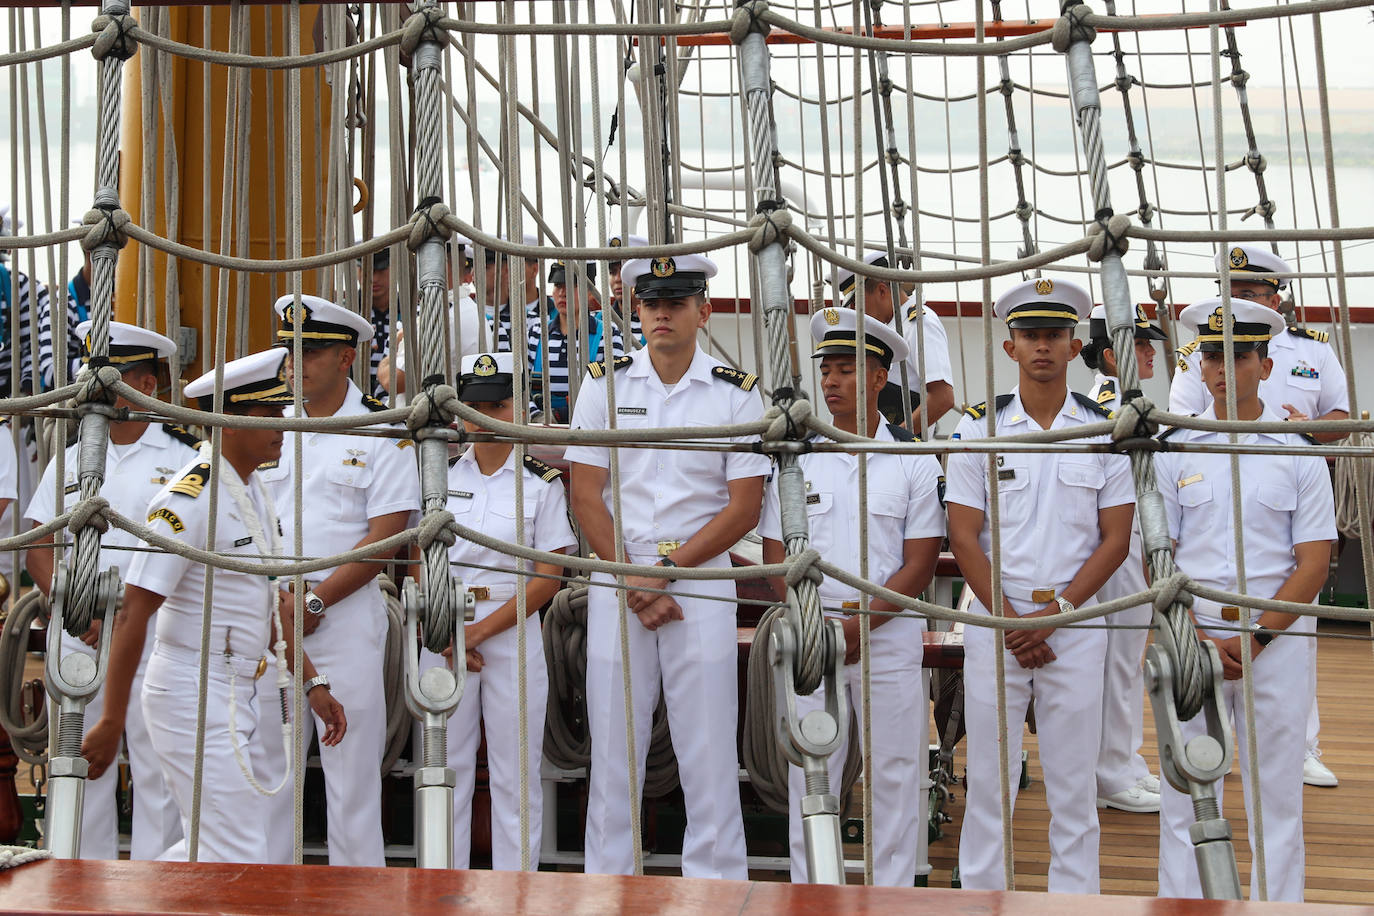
(667,563)
(313,604)
(1065,605)
(1262,636)
(318,680)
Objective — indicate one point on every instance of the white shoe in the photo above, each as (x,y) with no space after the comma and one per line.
(1316,773)
(1149,782)
(1135,799)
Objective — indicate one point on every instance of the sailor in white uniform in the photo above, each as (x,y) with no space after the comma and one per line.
(140,460)
(920,326)
(481,496)
(1288,521)
(1065,528)
(678,509)
(906,526)
(1307,383)
(355,491)
(233,808)
(1124,781)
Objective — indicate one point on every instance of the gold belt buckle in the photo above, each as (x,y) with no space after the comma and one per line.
(850,605)
(1042,595)
(1230,613)
(479,593)
(667,547)
(262,668)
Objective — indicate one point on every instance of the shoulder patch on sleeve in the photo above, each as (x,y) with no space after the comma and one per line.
(193,481)
(170,517)
(545,472)
(373,404)
(901,433)
(1318,336)
(745,380)
(1107,393)
(181,434)
(1092,406)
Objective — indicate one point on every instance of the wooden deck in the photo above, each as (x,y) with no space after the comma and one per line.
(1339,822)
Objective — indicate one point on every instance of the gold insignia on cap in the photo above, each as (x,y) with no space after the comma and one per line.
(1214,320)
(1044,287)
(616,242)
(832,317)
(485,366)
(664,267)
(1239,258)
(288,314)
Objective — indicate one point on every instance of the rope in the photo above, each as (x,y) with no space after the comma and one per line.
(14,856)
(29,738)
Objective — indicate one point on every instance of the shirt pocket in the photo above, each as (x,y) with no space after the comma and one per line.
(1015,494)
(501,514)
(887,520)
(1080,482)
(348,485)
(820,520)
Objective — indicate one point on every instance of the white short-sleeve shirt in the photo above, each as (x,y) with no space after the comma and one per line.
(904,504)
(242,601)
(668,494)
(938,368)
(1306,374)
(1048,502)
(487,504)
(345,481)
(1285,500)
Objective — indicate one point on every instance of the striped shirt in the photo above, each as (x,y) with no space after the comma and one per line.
(10,317)
(381,340)
(551,364)
(78,310)
(503,322)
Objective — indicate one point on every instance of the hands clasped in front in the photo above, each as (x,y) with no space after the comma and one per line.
(653,609)
(1031,648)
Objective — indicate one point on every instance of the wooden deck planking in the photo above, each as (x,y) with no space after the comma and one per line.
(1338,822)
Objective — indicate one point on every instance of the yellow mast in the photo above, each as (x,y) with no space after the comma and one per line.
(184,125)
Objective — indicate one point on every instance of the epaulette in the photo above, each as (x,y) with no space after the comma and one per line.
(1309,438)
(181,434)
(1318,336)
(1107,393)
(901,433)
(977,411)
(193,481)
(1092,405)
(373,404)
(545,472)
(1169,432)
(598,368)
(913,313)
(745,380)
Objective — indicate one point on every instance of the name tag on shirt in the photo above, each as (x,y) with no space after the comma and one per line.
(1007,474)
(1189,480)
(812,498)
(72,488)
(633,411)
(243,542)
(461,494)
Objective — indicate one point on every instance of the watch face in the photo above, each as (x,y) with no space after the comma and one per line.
(314,605)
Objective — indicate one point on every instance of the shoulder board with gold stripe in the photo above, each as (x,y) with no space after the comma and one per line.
(1107,393)
(1170,431)
(373,404)
(902,434)
(193,481)
(1318,336)
(546,472)
(1092,406)
(978,411)
(745,380)
(1187,349)
(914,313)
(181,434)
(598,368)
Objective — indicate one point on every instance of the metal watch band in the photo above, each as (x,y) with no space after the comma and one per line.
(313,603)
(318,680)
(1065,605)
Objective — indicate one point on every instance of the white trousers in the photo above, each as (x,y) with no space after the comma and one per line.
(233,815)
(348,648)
(1068,716)
(156,825)
(898,725)
(695,663)
(1281,705)
(491,702)
(1314,719)
(1119,764)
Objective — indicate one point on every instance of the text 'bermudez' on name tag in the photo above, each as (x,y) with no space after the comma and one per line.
(633,411)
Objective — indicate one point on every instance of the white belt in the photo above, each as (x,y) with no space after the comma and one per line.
(242,666)
(499,592)
(651,548)
(1040,594)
